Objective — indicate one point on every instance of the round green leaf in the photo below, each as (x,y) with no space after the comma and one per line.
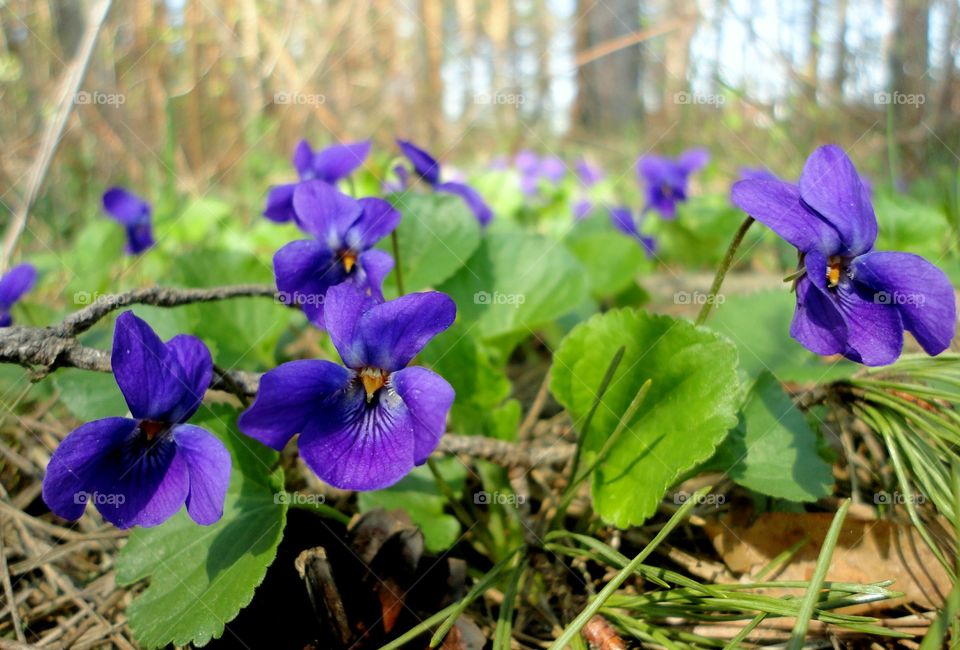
(691,405)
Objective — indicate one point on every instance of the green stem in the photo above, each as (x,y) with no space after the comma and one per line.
(396,260)
(725,265)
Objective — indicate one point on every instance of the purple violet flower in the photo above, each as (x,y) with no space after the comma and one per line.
(134,213)
(138,471)
(13,285)
(851,300)
(666,179)
(427,169)
(588,175)
(329,165)
(363,426)
(623,220)
(344,230)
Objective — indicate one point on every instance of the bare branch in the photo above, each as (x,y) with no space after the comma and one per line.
(87,317)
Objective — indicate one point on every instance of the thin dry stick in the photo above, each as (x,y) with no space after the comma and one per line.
(73,77)
(8,588)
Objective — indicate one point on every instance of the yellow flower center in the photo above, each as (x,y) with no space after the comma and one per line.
(834,265)
(373,380)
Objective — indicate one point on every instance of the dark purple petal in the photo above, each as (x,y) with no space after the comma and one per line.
(139,238)
(325,212)
(474,201)
(622,220)
(148,373)
(303,159)
(379,220)
(124,206)
(280,203)
(376,265)
(194,358)
(874,331)
(830,185)
(208,468)
(356,445)
(655,169)
(428,397)
(424,164)
(692,160)
(74,464)
(289,396)
(141,482)
(15,283)
(388,335)
(917,289)
(662,202)
(817,323)
(339,161)
(777,205)
(304,270)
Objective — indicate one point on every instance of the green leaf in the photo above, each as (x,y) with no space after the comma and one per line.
(202,576)
(690,407)
(436,236)
(89,395)
(244,330)
(774,451)
(759,325)
(417,495)
(480,406)
(612,260)
(199,220)
(515,282)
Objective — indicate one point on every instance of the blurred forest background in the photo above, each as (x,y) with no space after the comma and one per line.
(205,93)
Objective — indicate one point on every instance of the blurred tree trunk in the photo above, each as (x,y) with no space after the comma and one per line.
(720,9)
(909,63)
(608,88)
(840,72)
(948,70)
(430,100)
(677,57)
(810,75)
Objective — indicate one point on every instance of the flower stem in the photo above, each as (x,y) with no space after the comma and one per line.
(723,268)
(396,260)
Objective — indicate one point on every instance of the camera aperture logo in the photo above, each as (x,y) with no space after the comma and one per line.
(496,298)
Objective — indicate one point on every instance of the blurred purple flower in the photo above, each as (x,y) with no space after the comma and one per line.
(328,165)
(427,169)
(344,230)
(588,173)
(666,179)
(623,220)
(851,300)
(13,285)
(134,214)
(138,471)
(363,426)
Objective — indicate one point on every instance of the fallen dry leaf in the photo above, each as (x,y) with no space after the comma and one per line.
(867,551)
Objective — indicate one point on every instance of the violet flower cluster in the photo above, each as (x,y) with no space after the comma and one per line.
(666,179)
(851,299)
(139,470)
